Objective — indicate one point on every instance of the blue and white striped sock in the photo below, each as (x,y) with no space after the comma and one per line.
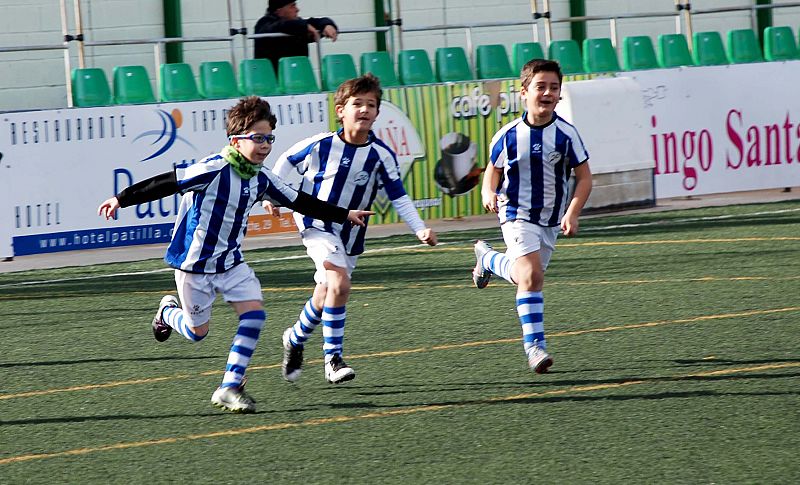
(498,263)
(244,343)
(530,308)
(306,323)
(173,316)
(333,330)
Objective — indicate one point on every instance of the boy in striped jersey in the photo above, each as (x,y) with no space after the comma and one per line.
(345,168)
(218,194)
(533,156)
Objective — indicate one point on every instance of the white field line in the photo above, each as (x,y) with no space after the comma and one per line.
(397,248)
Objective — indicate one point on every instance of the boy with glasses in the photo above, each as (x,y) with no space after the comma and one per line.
(205,250)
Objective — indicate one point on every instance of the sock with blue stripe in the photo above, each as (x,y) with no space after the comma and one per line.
(333,330)
(306,323)
(530,308)
(244,344)
(173,316)
(498,263)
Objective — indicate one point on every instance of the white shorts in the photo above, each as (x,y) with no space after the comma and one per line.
(324,246)
(197,291)
(523,237)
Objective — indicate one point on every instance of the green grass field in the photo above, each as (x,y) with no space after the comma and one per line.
(676,340)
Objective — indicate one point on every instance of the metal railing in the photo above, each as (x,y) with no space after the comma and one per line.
(393,33)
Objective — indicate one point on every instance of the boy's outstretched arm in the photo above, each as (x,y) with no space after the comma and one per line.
(147,190)
(583,187)
(281,194)
(491,179)
(406,210)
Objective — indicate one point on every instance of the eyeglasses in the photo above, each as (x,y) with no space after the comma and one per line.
(257,138)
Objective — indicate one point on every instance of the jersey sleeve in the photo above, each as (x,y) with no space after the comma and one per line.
(198,176)
(577,151)
(499,149)
(389,176)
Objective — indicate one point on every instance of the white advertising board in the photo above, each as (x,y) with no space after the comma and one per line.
(723,129)
(59,165)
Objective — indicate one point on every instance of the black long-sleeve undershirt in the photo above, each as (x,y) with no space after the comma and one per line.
(166,184)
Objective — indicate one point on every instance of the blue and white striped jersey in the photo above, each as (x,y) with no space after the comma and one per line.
(345,175)
(213,212)
(537,162)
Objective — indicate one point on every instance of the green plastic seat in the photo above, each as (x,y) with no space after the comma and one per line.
(380,64)
(336,69)
(673,51)
(295,75)
(568,54)
(638,53)
(743,46)
(491,62)
(599,55)
(779,44)
(708,49)
(217,80)
(452,64)
(132,85)
(257,78)
(90,87)
(177,83)
(524,52)
(414,67)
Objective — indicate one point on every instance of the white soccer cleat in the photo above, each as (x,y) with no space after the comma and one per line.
(539,360)
(292,358)
(233,399)
(336,371)
(481,276)
(162,331)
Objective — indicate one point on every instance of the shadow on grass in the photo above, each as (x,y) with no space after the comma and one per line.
(104,360)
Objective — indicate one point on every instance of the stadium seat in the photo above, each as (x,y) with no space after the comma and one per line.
(90,87)
(491,62)
(217,80)
(132,85)
(257,78)
(743,46)
(779,44)
(568,54)
(295,75)
(524,52)
(708,49)
(452,64)
(415,67)
(336,69)
(673,51)
(380,64)
(177,83)
(599,55)
(638,53)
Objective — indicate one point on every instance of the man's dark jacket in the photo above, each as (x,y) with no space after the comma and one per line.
(273,48)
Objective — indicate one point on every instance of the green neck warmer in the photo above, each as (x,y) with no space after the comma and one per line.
(240,165)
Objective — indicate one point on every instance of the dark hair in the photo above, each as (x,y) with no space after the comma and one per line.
(367,83)
(534,66)
(247,112)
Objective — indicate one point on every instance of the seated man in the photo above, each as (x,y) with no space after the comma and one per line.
(282,17)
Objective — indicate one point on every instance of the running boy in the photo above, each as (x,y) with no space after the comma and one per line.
(535,155)
(218,194)
(345,168)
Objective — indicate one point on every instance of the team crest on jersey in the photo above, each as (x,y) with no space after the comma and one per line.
(345,162)
(554,158)
(537,148)
(361,178)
